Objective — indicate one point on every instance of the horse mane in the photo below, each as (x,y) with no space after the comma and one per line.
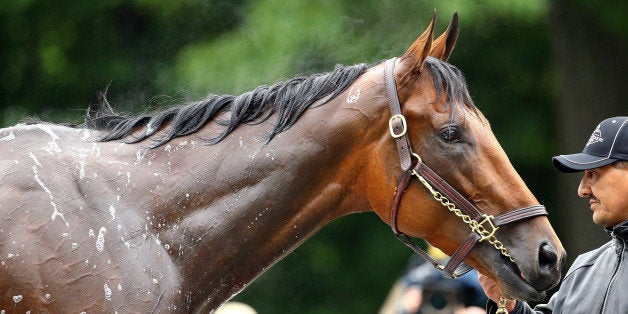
(288,100)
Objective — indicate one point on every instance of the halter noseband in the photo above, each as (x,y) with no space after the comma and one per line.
(483,226)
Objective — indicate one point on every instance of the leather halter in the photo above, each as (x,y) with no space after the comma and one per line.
(398,129)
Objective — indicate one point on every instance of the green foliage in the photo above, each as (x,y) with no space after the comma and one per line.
(313,35)
(611,14)
(56,55)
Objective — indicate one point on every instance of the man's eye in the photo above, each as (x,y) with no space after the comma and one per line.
(450,134)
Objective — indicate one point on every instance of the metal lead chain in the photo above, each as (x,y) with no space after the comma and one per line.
(501,306)
(477,227)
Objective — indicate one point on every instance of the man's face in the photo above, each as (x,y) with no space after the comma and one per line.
(607,190)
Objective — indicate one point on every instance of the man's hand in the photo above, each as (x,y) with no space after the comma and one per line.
(492,291)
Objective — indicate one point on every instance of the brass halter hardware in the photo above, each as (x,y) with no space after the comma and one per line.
(501,306)
(477,227)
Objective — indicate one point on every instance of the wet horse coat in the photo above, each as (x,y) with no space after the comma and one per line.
(172,224)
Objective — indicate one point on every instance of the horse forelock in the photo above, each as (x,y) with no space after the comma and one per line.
(288,100)
(450,79)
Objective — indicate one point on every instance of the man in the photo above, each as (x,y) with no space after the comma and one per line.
(597,282)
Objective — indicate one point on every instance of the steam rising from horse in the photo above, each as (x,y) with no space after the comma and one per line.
(178,210)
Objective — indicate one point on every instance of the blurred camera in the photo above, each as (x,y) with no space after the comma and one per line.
(439,297)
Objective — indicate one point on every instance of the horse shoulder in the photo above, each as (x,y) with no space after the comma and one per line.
(64,232)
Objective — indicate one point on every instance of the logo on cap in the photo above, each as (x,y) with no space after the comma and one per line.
(595,137)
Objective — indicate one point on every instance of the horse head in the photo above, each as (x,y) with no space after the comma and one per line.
(449,134)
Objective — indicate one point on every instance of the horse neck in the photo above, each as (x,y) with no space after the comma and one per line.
(246,200)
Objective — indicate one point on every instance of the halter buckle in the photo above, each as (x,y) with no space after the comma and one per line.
(486,232)
(404,125)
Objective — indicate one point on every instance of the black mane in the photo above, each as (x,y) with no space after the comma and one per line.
(288,100)
(451,80)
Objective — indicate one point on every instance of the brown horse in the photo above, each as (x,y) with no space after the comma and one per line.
(177,211)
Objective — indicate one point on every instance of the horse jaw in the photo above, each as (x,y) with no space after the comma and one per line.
(512,283)
(521,280)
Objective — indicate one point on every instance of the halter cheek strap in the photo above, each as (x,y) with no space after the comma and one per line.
(483,227)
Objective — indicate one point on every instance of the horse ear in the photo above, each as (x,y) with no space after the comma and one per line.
(421,47)
(444,45)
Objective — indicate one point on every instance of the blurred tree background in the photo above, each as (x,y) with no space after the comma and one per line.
(543,72)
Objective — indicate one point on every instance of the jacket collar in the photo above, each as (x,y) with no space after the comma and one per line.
(620,230)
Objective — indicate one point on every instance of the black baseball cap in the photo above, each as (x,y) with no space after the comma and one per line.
(607,144)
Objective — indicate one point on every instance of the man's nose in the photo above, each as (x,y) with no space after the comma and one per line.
(584,189)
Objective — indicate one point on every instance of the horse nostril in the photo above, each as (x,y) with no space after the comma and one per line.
(547,275)
(548,259)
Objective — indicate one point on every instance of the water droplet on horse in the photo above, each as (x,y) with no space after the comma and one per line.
(100,241)
(107,292)
(9,137)
(112,211)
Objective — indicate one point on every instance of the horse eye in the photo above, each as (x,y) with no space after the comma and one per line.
(450,134)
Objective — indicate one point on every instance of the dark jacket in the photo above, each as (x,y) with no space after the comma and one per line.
(597,282)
